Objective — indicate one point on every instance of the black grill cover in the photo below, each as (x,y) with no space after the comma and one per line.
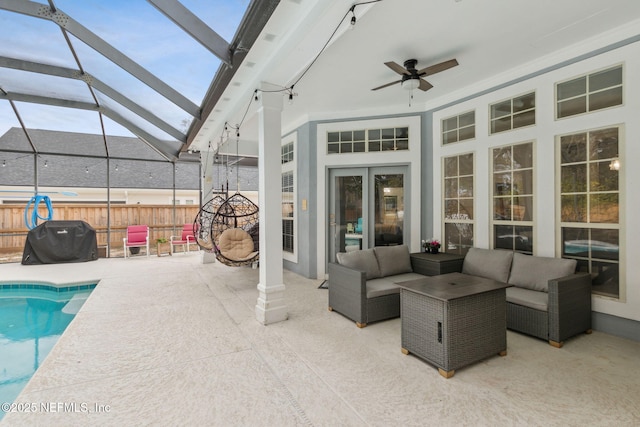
(55,242)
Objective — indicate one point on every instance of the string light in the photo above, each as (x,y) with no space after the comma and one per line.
(353,17)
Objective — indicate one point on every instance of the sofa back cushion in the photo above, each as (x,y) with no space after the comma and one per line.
(364,260)
(393,260)
(534,272)
(490,263)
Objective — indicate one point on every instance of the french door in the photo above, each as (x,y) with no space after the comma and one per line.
(367,207)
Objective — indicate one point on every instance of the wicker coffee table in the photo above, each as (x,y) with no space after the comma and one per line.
(453,320)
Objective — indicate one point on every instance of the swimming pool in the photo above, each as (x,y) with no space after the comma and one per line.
(32,318)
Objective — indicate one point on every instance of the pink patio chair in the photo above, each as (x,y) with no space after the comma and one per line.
(137,237)
(185,239)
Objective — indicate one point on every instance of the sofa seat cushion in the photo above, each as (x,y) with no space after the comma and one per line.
(534,272)
(528,298)
(389,285)
(489,263)
(364,260)
(393,260)
(381,286)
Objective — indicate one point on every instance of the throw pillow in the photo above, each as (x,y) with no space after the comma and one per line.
(364,260)
(534,272)
(490,263)
(393,259)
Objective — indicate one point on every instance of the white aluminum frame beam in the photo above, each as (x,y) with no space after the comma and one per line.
(67,23)
(195,27)
(54,70)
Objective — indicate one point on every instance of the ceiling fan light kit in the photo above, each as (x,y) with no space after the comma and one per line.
(411,84)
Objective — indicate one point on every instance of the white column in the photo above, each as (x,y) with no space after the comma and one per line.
(270,307)
(207,191)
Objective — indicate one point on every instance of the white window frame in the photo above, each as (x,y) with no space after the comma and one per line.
(445,220)
(594,225)
(511,114)
(588,93)
(291,166)
(457,128)
(366,141)
(512,222)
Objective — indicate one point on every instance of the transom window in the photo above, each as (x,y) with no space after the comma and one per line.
(513,113)
(371,140)
(590,205)
(459,128)
(592,92)
(458,203)
(513,197)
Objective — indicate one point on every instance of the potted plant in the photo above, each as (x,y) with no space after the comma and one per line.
(434,246)
(163,246)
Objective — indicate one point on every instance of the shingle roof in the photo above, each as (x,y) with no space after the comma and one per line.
(67,159)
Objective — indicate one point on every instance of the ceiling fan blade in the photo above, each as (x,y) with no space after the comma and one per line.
(425,85)
(388,84)
(438,67)
(397,68)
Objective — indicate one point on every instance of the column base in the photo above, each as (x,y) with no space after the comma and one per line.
(271,307)
(208,257)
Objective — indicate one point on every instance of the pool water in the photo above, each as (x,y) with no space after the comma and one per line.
(32,318)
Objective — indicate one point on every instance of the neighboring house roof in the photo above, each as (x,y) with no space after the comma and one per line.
(67,159)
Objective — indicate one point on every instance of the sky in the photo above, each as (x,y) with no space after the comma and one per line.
(134,27)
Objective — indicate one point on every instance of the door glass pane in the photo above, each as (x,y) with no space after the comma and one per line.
(389,209)
(348,213)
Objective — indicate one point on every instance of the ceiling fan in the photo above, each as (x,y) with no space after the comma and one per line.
(412,78)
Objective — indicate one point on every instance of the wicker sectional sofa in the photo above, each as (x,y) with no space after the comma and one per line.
(548,299)
(362,285)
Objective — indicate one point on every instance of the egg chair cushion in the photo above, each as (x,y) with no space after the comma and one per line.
(236,244)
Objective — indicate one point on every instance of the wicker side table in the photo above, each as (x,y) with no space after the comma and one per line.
(453,320)
(435,264)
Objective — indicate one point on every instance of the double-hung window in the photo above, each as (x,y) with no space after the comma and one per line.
(288,197)
(512,186)
(458,203)
(590,205)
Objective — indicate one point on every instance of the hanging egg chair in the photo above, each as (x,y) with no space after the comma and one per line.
(203,222)
(235,231)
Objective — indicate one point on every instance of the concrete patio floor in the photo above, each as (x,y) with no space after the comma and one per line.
(173,341)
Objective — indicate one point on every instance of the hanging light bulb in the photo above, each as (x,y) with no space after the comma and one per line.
(86,169)
(116,168)
(46,164)
(4,163)
(352,24)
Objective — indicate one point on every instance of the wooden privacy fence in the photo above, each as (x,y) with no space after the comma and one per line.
(159,218)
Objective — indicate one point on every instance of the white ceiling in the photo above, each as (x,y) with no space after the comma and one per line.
(494,42)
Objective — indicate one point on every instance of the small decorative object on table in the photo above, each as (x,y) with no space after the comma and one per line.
(433,245)
(425,246)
